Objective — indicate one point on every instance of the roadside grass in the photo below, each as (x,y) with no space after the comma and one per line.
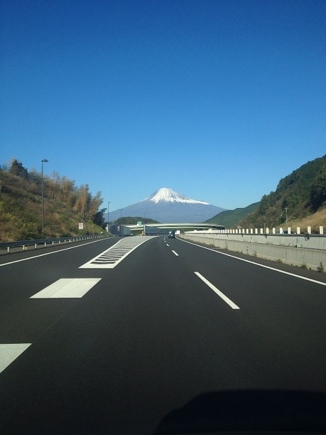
(314,221)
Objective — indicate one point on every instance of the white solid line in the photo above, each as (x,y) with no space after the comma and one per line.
(50,253)
(177,255)
(256,264)
(67,288)
(218,292)
(9,352)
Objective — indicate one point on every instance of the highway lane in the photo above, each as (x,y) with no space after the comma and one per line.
(24,274)
(280,321)
(150,336)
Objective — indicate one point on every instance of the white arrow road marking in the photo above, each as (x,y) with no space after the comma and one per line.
(9,352)
(218,292)
(67,288)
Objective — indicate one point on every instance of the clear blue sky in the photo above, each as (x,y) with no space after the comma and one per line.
(216,99)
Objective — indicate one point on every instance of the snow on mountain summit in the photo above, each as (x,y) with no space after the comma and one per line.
(166,205)
(165,194)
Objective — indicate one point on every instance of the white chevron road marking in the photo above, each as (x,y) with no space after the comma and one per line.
(114,255)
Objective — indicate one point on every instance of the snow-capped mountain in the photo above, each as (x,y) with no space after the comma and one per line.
(166,205)
(168,195)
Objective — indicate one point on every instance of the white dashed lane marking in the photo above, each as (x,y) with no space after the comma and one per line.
(9,352)
(67,288)
(218,292)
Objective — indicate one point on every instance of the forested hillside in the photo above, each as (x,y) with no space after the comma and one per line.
(299,200)
(65,205)
(297,196)
(230,218)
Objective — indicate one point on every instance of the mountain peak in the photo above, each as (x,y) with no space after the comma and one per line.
(165,194)
(166,205)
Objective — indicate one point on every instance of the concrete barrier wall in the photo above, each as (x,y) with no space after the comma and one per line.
(296,241)
(300,253)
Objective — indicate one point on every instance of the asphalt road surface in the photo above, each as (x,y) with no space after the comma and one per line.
(145,335)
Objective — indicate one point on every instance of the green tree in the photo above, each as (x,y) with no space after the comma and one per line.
(98,218)
(17,168)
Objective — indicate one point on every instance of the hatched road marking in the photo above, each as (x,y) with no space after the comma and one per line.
(114,255)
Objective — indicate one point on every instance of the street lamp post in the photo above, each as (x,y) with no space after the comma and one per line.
(42,185)
(109,202)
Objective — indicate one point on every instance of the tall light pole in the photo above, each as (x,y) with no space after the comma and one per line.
(42,184)
(109,202)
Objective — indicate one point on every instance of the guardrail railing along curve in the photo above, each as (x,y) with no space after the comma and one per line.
(8,247)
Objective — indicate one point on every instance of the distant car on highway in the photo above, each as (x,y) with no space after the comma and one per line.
(171,235)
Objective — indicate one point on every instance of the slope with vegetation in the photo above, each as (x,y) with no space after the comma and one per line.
(65,205)
(299,200)
(296,200)
(230,218)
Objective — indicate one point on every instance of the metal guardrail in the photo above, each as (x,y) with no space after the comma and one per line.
(8,247)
